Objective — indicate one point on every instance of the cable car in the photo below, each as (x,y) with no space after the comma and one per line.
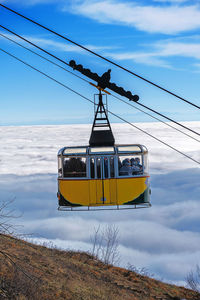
(103,175)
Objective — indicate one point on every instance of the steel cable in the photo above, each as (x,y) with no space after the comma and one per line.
(100,56)
(77,93)
(54,56)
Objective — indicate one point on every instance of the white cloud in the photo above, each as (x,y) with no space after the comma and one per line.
(30,145)
(178,49)
(54,45)
(158,56)
(146,58)
(171,1)
(162,16)
(65,47)
(160,52)
(171,19)
(33,2)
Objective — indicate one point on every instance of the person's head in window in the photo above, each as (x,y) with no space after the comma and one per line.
(126,162)
(126,168)
(137,160)
(132,161)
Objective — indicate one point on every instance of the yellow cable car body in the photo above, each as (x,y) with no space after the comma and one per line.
(95,177)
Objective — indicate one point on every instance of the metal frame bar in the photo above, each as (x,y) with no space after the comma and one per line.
(110,207)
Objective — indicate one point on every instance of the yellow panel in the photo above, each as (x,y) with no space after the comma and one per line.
(93,194)
(107,191)
(75,191)
(96,192)
(99,191)
(130,188)
(90,192)
(113,191)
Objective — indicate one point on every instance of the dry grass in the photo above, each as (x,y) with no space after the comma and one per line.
(37,272)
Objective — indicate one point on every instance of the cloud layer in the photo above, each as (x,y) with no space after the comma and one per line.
(165,238)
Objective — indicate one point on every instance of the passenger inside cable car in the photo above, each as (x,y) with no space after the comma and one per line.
(130,166)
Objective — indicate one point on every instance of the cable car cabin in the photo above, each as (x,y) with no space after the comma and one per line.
(103,177)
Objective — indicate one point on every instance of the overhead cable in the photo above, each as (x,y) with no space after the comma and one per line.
(127,103)
(33,44)
(100,56)
(43,57)
(167,124)
(54,56)
(169,119)
(82,96)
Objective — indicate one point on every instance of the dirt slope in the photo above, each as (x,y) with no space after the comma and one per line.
(35,272)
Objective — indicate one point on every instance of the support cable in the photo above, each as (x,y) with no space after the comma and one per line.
(167,124)
(77,93)
(43,57)
(33,44)
(169,119)
(54,56)
(100,56)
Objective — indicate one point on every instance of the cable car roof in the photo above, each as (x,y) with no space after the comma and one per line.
(117,149)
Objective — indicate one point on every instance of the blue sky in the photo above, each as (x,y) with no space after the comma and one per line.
(157,39)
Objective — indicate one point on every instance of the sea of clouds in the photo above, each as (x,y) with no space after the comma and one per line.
(165,238)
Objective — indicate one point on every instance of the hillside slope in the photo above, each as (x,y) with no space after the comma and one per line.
(29,271)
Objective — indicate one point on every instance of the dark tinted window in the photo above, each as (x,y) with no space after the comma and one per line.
(112,170)
(75,167)
(92,172)
(106,167)
(98,162)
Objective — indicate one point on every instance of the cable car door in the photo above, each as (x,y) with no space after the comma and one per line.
(102,188)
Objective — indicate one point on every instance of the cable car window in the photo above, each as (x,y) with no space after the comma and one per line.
(75,167)
(74,151)
(102,150)
(136,163)
(130,165)
(98,162)
(112,170)
(146,164)
(129,148)
(92,172)
(105,167)
(59,166)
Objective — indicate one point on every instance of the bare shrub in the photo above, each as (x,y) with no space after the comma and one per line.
(16,285)
(141,271)
(16,281)
(193,279)
(105,244)
(6,217)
